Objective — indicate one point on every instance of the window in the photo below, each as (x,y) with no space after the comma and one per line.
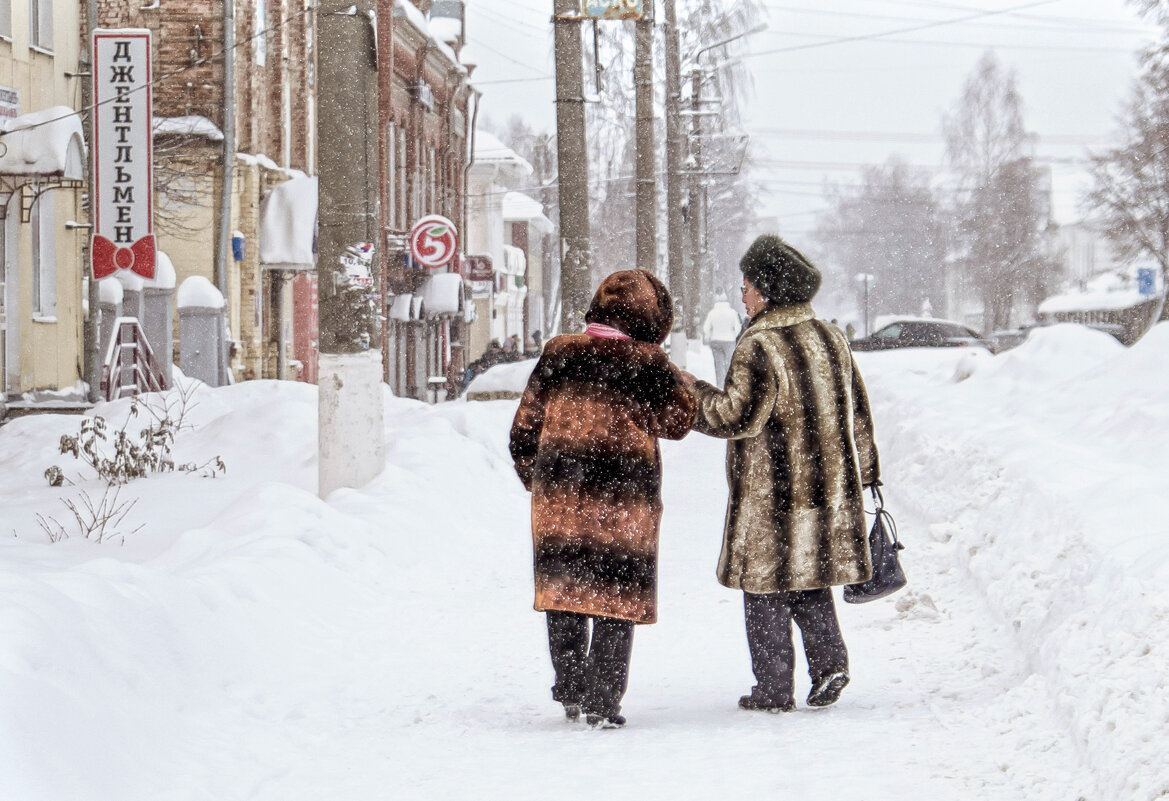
(392,174)
(401,178)
(40,24)
(6,18)
(261,38)
(44,258)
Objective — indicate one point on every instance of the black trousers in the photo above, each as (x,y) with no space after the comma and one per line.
(769,635)
(592,672)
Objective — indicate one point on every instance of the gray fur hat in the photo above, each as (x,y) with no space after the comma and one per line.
(780,272)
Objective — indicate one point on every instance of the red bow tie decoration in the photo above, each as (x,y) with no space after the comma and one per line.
(108,257)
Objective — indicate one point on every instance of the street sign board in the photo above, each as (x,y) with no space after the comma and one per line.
(1146,281)
(611,9)
(434,241)
(123,203)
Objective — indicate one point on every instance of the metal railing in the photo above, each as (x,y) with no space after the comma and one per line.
(130,367)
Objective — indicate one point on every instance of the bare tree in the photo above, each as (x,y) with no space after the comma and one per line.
(890,226)
(999,214)
(1130,191)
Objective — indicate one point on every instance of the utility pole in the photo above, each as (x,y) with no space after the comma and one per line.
(350,438)
(697,209)
(675,231)
(647,213)
(572,158)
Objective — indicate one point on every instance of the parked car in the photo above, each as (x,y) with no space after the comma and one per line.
(922,332)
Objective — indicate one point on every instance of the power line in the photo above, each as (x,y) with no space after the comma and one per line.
(896,31)
(1053,24)
(167,76)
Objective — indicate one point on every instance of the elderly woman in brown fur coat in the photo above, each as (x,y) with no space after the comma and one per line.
(585,442)
(801,448)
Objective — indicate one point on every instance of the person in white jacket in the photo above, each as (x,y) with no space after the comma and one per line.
(720,331)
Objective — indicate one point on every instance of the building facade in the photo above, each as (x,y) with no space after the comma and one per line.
(43,286)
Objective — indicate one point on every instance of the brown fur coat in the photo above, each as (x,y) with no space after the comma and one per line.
(584,441)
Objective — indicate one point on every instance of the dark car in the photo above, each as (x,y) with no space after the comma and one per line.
(921,334)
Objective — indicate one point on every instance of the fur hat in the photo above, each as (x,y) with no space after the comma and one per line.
(780,272)
(636,302)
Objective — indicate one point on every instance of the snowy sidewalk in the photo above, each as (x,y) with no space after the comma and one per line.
(254,642)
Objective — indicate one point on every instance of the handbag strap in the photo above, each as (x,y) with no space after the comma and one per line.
(883,514)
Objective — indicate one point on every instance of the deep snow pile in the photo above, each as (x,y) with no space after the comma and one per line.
(1052,460)
(255,642)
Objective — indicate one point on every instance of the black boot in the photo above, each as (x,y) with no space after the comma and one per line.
(760,701)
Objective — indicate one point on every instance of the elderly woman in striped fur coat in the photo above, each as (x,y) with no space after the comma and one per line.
(800,449)
(585,442)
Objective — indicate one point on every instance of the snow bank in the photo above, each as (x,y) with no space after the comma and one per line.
(1053,465)
(501,381)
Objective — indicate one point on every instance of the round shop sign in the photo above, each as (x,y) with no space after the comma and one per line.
(433,241)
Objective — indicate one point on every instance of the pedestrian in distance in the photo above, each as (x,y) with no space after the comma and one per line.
(720,330)
(585,443)
(800,452)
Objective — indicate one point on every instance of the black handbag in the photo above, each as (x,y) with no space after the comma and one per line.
(888,577)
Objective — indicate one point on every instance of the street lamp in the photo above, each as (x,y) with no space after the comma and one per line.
(866,279)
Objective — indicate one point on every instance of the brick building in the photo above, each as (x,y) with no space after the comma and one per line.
(424,120)
(274,107)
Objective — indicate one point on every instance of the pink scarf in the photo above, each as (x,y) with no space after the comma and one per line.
(605,331)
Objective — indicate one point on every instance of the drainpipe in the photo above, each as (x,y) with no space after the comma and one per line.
(475,95)
(92,340)
(223,240)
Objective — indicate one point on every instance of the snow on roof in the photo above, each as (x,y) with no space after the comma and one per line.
(446,29)
(1093,301)
(413,15)
(1111,290)
(468,57)
(288,225)
(48,142)
(518,206)
(883,320)
(109,290)
(443,294)
(489,148)
(191,125)
(198,292)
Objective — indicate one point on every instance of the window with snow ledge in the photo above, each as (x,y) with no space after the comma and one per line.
(40,24)
(6,19)
(44,259)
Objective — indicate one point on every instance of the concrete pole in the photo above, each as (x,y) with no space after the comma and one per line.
(647,212)
(351,432)
(572,158)
(675,230)
(696,207)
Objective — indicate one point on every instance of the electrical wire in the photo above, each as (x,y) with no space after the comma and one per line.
(896,31)
(167,76)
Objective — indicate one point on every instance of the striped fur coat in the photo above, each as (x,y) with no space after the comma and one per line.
(585,442)
(801,448)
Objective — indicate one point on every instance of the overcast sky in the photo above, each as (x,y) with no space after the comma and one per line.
(851,82)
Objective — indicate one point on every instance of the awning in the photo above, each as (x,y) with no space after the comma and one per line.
(401,307)
(443,294)
(515,262)
(288,226)
(45,143)
(518,207)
